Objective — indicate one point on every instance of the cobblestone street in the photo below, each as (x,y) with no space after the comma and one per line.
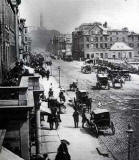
(122,104)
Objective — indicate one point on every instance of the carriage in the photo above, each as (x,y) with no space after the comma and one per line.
(102,77)
(125,74)
(102,81)
(99,121)
(87,69)
(116,78)
(73,86)
(83,100)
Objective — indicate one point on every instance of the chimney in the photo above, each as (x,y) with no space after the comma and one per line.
(105,25)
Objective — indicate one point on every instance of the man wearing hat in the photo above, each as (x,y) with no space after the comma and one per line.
(62,152)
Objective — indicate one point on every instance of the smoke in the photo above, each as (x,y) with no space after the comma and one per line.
(65,15)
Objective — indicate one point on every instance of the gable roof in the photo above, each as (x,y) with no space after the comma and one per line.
(100,27)
(118,46)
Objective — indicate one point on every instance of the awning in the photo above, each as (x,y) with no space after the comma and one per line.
(5,154)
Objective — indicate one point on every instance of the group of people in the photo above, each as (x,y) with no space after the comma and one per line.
(76,117)
(54,105)
(54,118)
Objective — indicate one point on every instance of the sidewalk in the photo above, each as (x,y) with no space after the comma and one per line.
(50,138)
(82,144)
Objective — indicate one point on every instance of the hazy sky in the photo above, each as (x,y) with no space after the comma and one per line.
(66,15)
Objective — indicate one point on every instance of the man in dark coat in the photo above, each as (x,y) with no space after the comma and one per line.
(62,152)
(47,74)
(50,121)
(50,93)
(84,119)
(76,118)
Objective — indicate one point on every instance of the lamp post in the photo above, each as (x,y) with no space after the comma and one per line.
(59,75)
(129,132)
(51,70)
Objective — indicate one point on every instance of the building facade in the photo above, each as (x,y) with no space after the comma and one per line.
(24,41)
(121,51)
(62,45)
(94,40)
(9,35)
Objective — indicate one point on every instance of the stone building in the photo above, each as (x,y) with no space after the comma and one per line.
(20,117)
(62,45)
(9,35)
(121,51)
(24,41)
(94,40)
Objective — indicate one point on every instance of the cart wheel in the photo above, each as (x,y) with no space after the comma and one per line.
(112,128)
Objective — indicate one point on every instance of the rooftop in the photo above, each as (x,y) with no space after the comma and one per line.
(118,46)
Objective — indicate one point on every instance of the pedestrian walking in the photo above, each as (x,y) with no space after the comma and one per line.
(61,96)
(76,118)
(50,93)
(50,121)
(47,74)
(56,118)
(84,118)
(62,152)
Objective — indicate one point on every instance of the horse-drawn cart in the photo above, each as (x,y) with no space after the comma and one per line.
(83,100)
(99,121)
(87,69)
(116,78)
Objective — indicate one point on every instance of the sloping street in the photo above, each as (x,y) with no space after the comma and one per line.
(122,103)
(82,143)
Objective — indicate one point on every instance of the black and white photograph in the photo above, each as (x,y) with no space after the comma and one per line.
(69,79)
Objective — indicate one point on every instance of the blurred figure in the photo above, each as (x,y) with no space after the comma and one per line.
(50,121)
(84,119)
(50,93)
(61,96)
(76,118)
(47,74)
(62,152)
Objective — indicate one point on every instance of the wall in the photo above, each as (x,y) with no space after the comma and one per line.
(8,54)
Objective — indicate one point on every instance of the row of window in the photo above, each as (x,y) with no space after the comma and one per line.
(105,45)
(133,45)
(96,39)
(97,45)
(101,55)
(105,55)
(105,38)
